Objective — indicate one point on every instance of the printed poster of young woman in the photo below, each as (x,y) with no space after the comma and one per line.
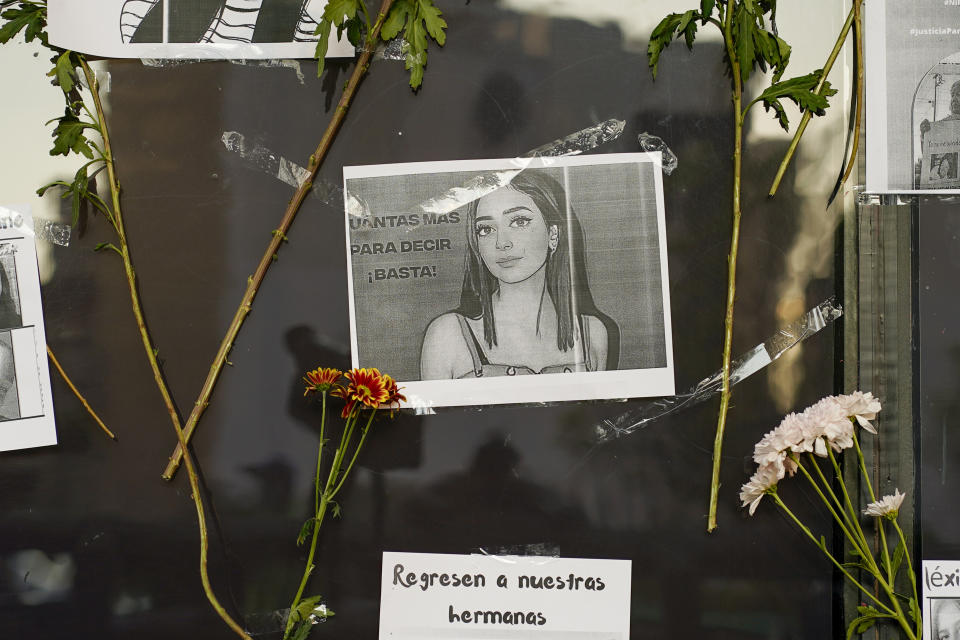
(212,29)
(913,95)
(511,281)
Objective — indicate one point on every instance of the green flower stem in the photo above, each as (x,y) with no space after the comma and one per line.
(322,499)
(843,522)
(356,452)
(823,548)
(76,392)
(805,119)
(852,519)
(279,236)
(320,502)
(913,576)
(151,351)
(738,120)
(863,468)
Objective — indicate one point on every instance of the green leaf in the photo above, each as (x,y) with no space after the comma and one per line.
(859,625)
(305,531)
(339,11)
(706,8)
(898,554)
(743,39)
(432,21)
(355,31)
(323,41)
(69,136)
(29,17)
(799,90)
(64,70)
(670,27)
(302,630)
(396,19)
(336,509)
(867,610)
(103,246)
(914,610)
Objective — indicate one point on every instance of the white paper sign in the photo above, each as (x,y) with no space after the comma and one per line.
(228,29)
(26,408)
(941,598)
(460,597)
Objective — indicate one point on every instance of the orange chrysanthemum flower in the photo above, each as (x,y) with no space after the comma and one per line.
(321,379)
(364,386)
(393,391)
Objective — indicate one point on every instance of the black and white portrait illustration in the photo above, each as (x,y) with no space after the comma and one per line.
(913,95)
(10,315)
(944,618)
(500,278)
(220,20)
(26,405)
(9,400)
(191,29)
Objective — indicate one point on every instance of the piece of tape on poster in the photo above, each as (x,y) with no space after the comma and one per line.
(482,184)
(745,366)
(53,232)
(291,173)
(651,143)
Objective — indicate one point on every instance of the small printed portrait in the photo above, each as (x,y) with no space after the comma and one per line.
(10,315)
(9,401)
(525,306)
(945,619)
(221,21)
(473,281)
(943,166)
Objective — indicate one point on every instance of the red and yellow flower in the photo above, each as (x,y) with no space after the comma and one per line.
(321,379)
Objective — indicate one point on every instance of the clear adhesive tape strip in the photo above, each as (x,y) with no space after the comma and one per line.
(53,232)
(650,143)
(754,360)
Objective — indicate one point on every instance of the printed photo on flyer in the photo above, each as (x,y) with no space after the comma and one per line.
(511,281)
(913,96)
(26,407)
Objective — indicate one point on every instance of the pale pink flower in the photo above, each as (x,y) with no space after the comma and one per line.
(827,419)
(887,506)
(861,406)
(762,482)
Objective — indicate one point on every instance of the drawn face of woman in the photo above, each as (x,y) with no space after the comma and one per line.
(948,622)
(512,235)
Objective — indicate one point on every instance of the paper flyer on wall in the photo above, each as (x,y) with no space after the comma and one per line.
(479,597)
(941,599)
(511,281)
(219,29)
(26,407)
(913,95)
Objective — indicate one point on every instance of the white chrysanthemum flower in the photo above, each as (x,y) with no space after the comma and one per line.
(827,419)
(760,484)
(861,406)
(775,443)
(887,506)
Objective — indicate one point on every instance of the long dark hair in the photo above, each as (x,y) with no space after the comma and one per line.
(479,285)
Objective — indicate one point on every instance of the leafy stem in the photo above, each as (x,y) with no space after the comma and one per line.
(823,547)
(322,499)
(748,45)
(421,18)
(151,352)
